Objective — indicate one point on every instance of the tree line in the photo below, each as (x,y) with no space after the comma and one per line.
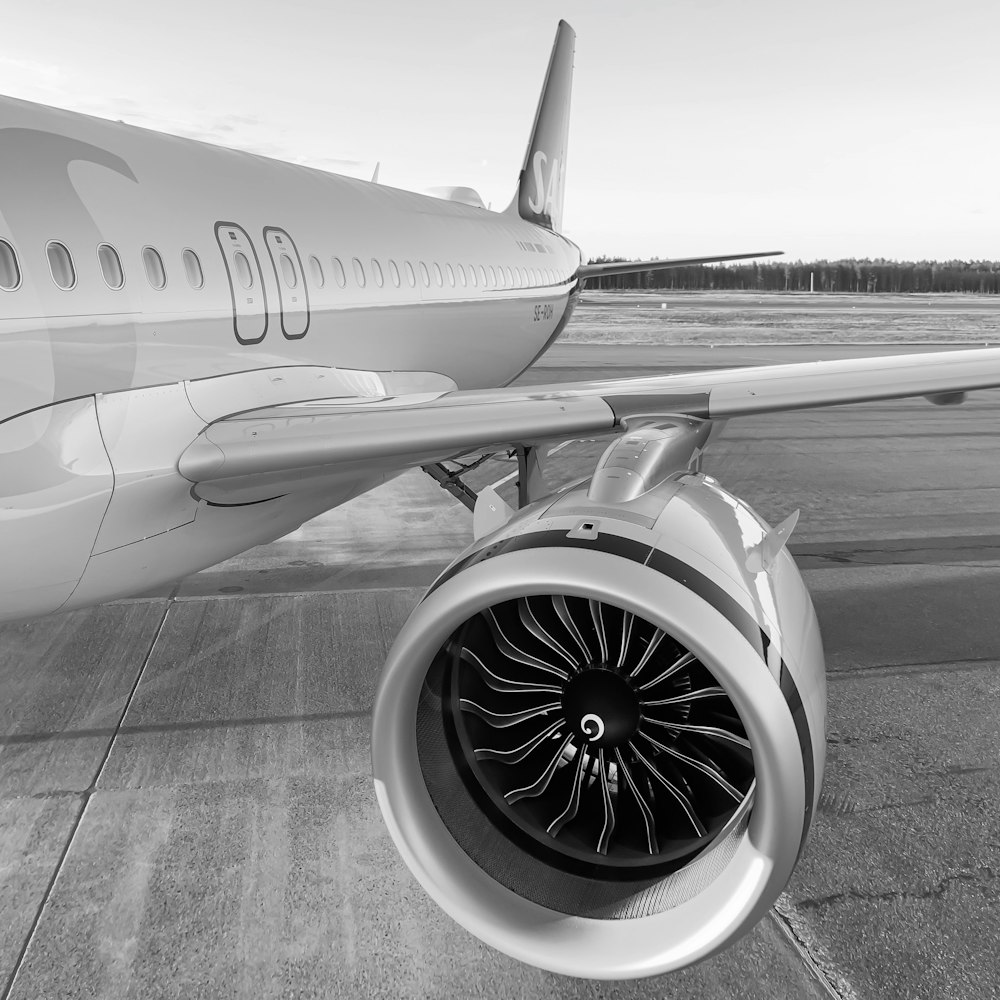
(848,275)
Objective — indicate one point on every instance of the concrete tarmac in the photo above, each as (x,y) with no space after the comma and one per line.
(186,807)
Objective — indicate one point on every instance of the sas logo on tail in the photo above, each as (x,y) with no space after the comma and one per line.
(546,197)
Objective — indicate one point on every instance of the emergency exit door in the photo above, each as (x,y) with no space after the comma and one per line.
(293,295)
(246,283)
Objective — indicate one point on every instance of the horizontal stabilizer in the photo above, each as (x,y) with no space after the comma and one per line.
(635,266)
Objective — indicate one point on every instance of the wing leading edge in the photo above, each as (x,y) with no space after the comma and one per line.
(283,448)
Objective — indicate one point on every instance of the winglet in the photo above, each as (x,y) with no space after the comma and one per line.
(539,197)
(374,179)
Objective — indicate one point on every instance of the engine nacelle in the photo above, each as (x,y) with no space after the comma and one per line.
(599,739)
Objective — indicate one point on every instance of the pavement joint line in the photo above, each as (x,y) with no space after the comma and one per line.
(182,598)
(936,891)
(910,544)
(902,669)
(290,593)
(85,797)
(56,793)
(846,440)
(187,726)
(812,966)
(821,563)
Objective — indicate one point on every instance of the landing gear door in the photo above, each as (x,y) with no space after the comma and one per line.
(290,278)
(246,283)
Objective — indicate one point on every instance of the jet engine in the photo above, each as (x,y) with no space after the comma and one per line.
(599,739)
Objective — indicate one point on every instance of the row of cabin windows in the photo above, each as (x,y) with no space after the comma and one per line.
(63,272)
(485,276)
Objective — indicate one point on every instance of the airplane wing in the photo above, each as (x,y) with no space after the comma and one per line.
(280,449)
(633,266)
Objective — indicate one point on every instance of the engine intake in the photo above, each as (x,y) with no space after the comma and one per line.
(598,739)
(598,743)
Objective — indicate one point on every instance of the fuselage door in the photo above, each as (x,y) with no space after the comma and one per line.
(288,273)
(246,283)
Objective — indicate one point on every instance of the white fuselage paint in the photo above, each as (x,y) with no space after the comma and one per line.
(96,400)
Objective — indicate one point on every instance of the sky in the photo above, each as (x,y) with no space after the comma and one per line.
(854,129)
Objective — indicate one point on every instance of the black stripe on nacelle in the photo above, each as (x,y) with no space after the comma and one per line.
(614,545)
(795,706)
(750,629)
(711,593)
(708,590)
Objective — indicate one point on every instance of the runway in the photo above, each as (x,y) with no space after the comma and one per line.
(186,807)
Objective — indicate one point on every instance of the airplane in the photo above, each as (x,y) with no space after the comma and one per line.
(598,741)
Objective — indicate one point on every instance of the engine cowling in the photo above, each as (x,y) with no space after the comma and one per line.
(599,739)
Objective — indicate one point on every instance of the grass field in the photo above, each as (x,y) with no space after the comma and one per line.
(782,318)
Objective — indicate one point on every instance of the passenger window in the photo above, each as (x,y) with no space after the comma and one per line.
(10,273)
(359,273)
(461,275)
(338,272)
(500,280)
(451,274)
(377,272)
(437,274)
(192,269)
(60,265)
(510,277)
(153,263)
(243,272)
(411,278)
(111,266)
(394,273)
(316,270)
(288,270)
(424,276)
(482,275)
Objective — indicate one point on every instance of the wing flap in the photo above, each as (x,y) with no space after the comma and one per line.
(288,446)
(290,439)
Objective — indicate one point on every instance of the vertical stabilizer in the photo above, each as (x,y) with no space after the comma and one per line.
(539,197)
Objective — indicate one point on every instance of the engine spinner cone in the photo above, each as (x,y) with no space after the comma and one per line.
(602,707)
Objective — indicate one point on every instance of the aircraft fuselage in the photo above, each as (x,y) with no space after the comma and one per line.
(159,283)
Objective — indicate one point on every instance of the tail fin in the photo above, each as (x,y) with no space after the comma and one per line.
(539,196)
